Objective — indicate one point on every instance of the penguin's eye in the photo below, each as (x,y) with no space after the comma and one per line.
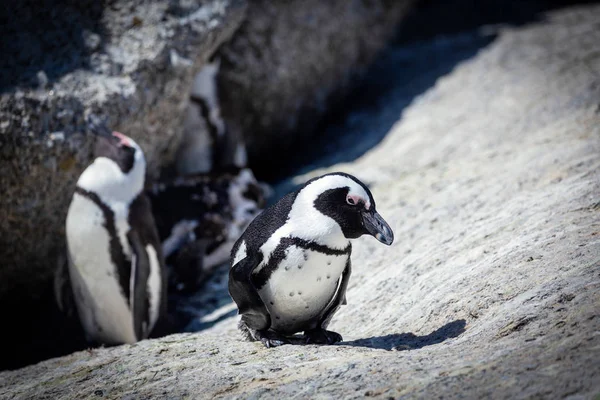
(351,200)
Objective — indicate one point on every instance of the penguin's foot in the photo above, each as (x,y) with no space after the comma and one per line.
(321,336)
(267,337)
(272,339)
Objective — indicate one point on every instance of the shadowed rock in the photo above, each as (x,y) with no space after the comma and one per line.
(291,61)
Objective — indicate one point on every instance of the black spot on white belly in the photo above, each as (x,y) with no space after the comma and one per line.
(297,292)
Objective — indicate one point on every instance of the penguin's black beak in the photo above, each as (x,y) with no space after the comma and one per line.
(377,227)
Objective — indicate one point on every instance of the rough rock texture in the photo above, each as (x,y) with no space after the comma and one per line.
(491,180)
(290,61)
(125,64)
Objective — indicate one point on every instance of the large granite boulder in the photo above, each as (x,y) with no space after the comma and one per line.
(291,62)
(76,65)
(491,181)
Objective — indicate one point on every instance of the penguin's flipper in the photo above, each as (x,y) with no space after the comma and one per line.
(244,293)
(140,270)
(340,296)
(140,216)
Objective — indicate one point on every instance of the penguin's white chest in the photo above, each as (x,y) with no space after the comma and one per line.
(103,309)
(300,289)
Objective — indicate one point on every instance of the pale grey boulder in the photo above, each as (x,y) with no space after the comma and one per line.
(491,182)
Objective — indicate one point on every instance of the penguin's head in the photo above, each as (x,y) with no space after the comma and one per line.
(349,202)
(118,171)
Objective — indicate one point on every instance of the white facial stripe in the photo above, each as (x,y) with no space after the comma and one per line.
(124,140)
(306,222)
(355,191)
(105,178)
(332,182)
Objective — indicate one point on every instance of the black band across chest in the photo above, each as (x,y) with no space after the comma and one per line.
(262,276)
(117,254)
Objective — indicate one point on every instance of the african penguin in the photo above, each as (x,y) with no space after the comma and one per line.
(291,266)
(116,266)
(199,217)
(208,144)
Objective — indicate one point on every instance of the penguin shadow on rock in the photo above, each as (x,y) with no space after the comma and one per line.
(410,341)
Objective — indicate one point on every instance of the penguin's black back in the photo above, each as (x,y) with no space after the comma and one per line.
(140,218)
(266,223)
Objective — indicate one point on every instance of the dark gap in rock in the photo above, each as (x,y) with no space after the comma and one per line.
(430,18)
(432,40)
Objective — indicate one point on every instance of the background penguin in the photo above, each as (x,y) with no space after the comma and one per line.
(290,268)
(199,217)
(116,267)
(208,144)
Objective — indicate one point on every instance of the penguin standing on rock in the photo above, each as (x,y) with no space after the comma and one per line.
(116,266)
(290,268)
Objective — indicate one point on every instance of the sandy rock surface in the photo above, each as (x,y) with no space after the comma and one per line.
(491,181)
